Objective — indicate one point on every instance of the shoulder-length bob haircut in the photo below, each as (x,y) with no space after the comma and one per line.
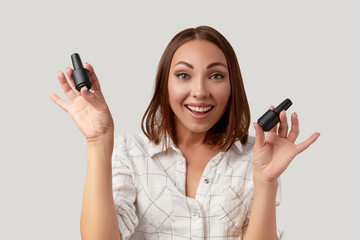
(158,120)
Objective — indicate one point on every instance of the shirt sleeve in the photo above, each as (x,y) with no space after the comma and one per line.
(247,218)
(124,190)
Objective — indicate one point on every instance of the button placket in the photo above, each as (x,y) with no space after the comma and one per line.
(196,215)
(181,174)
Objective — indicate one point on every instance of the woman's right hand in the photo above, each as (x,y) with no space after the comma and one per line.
(88,109)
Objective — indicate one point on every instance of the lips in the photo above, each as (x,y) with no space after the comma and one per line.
(199,110)
(199,105)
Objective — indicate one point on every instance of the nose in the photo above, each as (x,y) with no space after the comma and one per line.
(199,88)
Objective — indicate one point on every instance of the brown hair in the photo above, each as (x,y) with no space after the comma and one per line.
(158,120)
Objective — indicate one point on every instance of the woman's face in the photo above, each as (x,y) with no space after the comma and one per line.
(199,86)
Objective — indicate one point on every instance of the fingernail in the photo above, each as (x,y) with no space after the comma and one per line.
(86,90)
(254,125)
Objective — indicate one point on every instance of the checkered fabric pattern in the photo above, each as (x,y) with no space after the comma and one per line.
(150,199)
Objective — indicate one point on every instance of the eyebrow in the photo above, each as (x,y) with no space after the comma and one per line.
(208,67)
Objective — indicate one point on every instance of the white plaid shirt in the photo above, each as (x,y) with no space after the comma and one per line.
(150,199)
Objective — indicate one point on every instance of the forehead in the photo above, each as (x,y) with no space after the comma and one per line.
(199,52)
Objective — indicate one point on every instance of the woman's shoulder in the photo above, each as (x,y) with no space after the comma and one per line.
(134,144)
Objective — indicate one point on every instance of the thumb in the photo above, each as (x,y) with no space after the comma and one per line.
(260,136)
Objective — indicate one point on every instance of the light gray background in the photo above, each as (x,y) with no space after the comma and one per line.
(306,50)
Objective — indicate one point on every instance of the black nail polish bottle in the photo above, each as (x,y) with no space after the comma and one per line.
(80,75)
(271,117)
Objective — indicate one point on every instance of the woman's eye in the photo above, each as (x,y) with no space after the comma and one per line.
(183,76)
(217,76)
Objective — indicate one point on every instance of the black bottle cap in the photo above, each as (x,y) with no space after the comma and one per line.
(283,106)
(271,117)
(80,74)
(76,61)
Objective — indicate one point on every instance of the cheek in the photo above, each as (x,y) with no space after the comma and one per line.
(177,93)
(222,93)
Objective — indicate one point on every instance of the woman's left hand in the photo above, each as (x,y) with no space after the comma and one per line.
(274,152)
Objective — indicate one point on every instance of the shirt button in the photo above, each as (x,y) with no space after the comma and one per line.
(181,161)
(196,215)
(206,180)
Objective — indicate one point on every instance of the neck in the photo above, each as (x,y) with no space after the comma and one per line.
(185,137)
(190,139)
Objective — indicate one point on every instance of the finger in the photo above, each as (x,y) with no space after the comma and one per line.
(274,129)
(93,99)
(98,94)
(294,132)
(66,87)
(69,72)
(260,136)
(94,79)
(304,145)
(283,129)
(64,105)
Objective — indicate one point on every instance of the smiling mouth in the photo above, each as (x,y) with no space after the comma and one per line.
(199,110)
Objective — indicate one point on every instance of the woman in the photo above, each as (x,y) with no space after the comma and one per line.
(194,173)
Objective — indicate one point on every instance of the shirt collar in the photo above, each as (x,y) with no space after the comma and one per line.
(155,149)
(238,147)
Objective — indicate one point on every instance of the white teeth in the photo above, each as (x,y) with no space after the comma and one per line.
(199,109)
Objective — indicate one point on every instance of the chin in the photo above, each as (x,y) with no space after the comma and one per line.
(199,129)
